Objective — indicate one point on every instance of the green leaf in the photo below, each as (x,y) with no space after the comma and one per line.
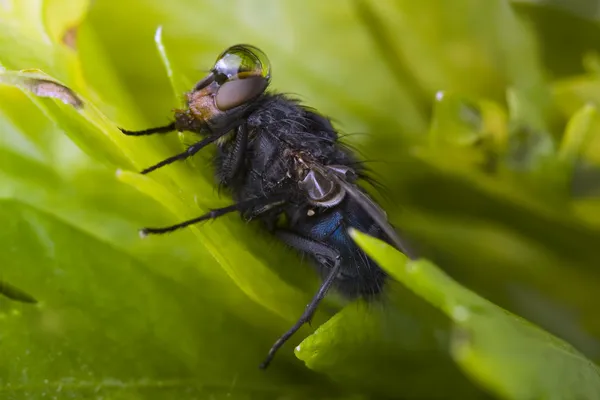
(192,314)
(179,83)
(437,43)
(565,31)
(454,116)
(406,337)
(587,8)
(577,134)
(529,140)
(148,305)
(153,329)
(523,362)
(327,77)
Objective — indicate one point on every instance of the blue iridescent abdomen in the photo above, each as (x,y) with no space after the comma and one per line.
(360,275)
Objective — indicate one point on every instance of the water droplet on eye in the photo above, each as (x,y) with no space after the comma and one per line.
(439,95)
(460,313)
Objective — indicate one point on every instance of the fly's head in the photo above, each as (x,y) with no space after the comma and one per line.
(240,75)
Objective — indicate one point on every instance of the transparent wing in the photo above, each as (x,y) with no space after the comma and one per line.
(378,216)
(339,173)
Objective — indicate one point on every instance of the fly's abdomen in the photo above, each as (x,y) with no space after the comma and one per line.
(360,276)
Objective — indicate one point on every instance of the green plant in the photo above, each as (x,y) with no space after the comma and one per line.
(483,126)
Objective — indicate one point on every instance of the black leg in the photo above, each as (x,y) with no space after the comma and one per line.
(151,131)
(190,151)
(322,252)
(233,163)
(14,293)
(213,214)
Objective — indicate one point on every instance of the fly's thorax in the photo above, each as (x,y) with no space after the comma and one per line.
(321,190)
(320,184)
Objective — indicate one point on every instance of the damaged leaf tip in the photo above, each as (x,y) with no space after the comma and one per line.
(47,88)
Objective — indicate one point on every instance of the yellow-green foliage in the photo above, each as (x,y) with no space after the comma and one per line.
(479,118)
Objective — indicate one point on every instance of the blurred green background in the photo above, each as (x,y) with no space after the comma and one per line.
(478,117)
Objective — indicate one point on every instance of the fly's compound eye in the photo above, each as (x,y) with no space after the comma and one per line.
(235,93)
(243,73)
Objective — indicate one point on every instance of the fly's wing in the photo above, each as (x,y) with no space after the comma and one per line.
(378,216)
(374,211)
(339,174)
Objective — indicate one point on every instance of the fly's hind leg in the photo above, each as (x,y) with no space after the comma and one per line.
(323,253)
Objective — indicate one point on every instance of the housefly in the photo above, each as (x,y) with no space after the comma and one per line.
(283,164)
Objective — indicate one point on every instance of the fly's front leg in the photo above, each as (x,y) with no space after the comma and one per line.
(190,151)
(183,122)
(233,163)
(322,253)
(150,131)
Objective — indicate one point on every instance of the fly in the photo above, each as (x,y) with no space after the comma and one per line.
(279,158)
